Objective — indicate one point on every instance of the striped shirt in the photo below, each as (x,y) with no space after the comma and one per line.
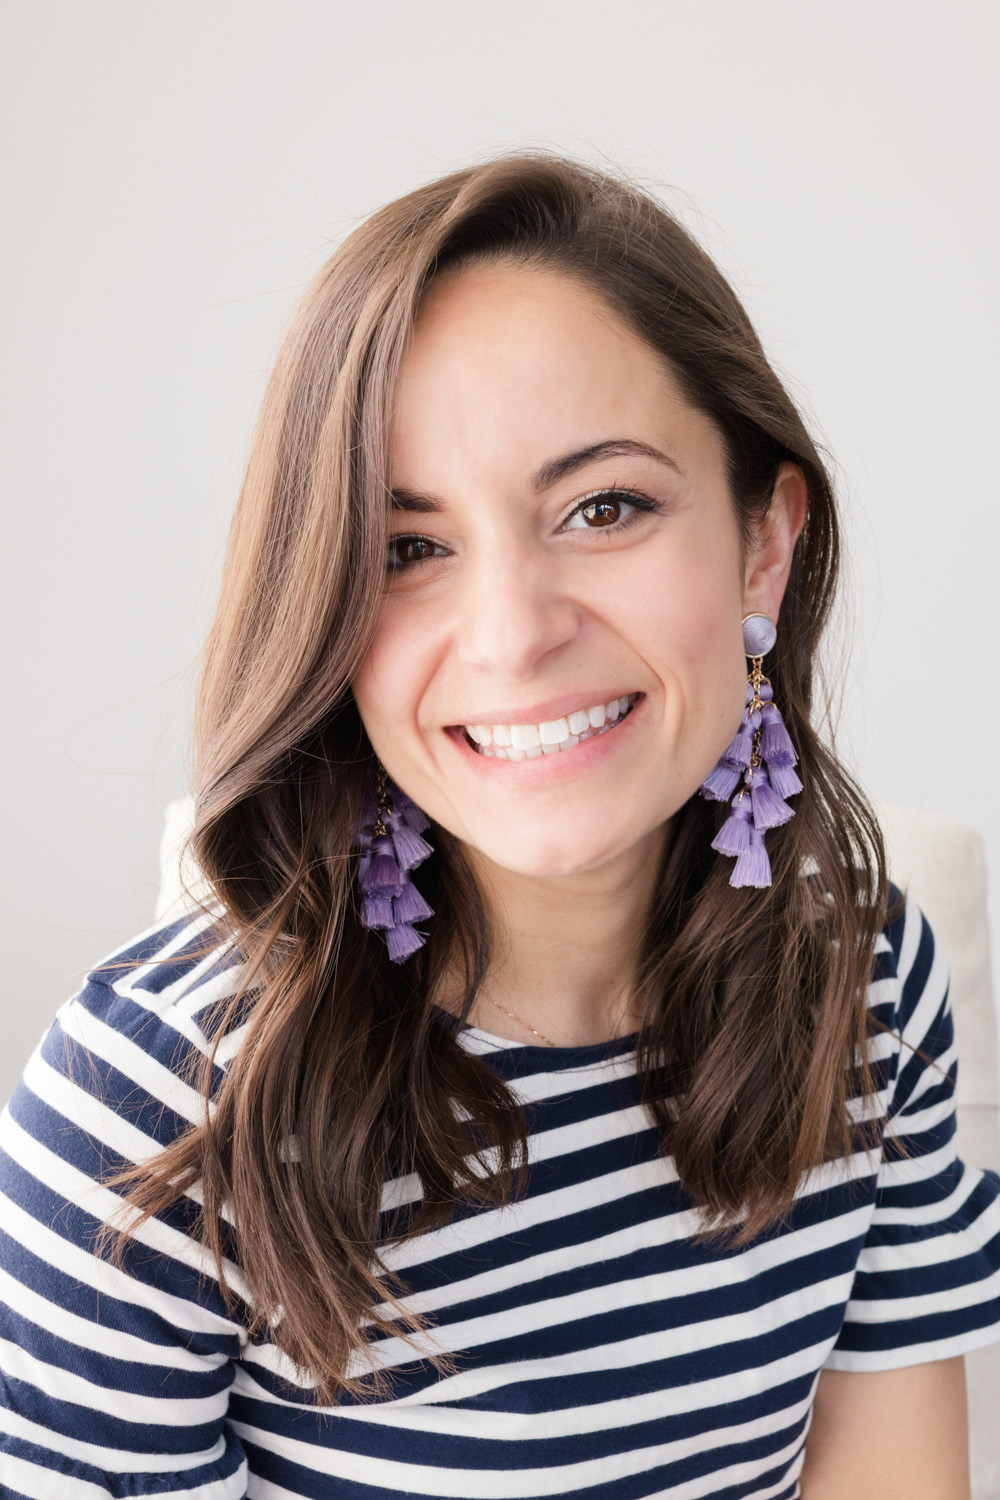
(599,1351)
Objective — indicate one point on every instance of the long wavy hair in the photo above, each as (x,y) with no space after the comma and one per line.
(756,1016)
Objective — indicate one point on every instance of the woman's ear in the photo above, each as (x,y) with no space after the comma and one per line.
(769,558)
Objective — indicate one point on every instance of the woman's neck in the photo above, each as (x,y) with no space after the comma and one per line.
(567,949)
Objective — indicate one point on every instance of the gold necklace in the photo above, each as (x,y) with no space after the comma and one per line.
(497,1006)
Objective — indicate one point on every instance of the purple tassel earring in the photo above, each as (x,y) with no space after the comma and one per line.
(391,846)
(762,756)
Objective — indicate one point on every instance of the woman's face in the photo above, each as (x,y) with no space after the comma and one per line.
(564,560)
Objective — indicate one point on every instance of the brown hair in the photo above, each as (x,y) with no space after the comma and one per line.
(756,999)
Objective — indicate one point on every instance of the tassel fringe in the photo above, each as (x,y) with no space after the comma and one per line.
(784,780)
(720,784)
(402,941)
(741,746)
(775,745)
(753,866)
(768,809)
(376,911)
(382,876)
(390,846)
(411,849)
(734,835)
(409,905)
(762,755)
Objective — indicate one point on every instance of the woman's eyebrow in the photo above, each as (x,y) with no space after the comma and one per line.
(558,468)
(551,472)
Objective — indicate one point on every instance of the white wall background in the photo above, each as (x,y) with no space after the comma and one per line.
(173,173)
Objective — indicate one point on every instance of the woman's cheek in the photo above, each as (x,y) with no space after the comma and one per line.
(394,677)
(379,688)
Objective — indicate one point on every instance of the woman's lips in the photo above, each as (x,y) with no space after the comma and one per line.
(517,742)
(558,761)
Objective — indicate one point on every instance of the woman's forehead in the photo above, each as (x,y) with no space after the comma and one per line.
(518,312)
(513,367)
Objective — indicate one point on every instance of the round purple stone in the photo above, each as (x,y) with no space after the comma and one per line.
(759,635)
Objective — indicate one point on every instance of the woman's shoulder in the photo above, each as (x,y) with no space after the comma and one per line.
(909,960)
(137,1034)
(175,972)
(910,996)
(105,1353)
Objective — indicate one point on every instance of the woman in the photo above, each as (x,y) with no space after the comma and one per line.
(486,1130)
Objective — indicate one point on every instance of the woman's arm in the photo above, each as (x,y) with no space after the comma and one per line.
(114,1379)
(890,1434)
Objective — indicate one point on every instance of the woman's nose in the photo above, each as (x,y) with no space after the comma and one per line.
(512,612)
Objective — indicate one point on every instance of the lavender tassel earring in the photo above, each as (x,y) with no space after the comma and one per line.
(391,847)
(762,756)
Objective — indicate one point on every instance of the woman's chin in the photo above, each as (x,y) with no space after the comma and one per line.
(556,858)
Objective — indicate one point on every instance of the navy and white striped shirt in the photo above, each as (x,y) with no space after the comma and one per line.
(599,1352)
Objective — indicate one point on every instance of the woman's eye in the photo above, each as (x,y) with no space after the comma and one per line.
(404,551)
(609,508)
(605,510)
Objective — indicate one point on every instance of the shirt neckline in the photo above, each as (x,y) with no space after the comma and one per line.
(537,1052)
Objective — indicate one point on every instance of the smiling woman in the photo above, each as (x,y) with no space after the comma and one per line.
(484,1131)
(567,565)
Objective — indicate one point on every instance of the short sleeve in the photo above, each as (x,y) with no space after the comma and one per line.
(927,1283)
(114,1380)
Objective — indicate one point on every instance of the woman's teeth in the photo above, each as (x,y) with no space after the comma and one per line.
(529,741)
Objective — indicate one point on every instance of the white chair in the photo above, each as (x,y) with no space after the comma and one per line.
(943,864)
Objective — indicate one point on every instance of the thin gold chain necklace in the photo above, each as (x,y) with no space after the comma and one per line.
(541,1035)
